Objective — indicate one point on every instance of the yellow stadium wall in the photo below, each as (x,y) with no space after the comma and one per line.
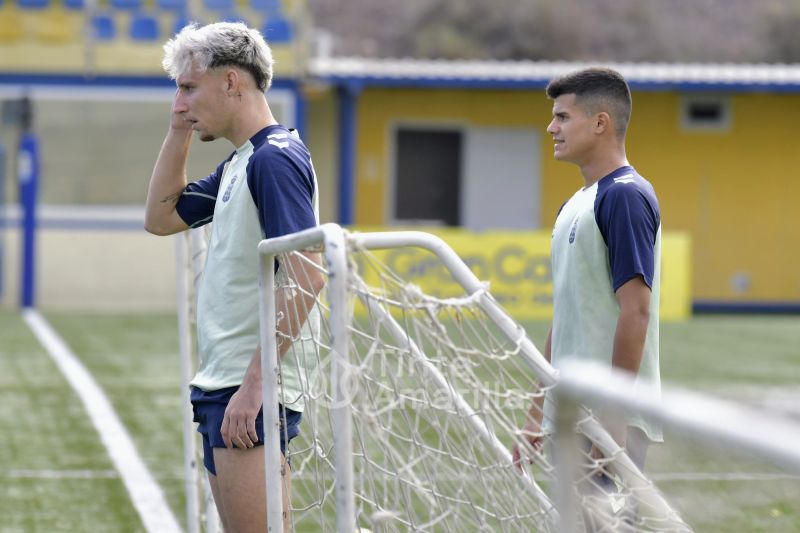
(55,40)
(734,191)
(729,190)
(321,138)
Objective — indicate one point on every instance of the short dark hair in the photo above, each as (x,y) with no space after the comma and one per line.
(597,89)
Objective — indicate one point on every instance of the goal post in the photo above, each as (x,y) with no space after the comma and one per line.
(190,255)
(330,237)
(412,400)
(708,420)
(737,436)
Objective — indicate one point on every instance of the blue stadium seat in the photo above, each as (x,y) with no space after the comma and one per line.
(75,5)
(220,5)
(181,21)
(277,30)
(104,27)
(144,27)
(177,6)
(33,4)
(126,5)
(270,7)
(233,17)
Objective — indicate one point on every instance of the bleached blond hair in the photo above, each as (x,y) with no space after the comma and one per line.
(216,45)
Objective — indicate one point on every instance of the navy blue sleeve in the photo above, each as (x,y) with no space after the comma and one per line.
(196,204)
(561,208)
(281,182)
(628,217)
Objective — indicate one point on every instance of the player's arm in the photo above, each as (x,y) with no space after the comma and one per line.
(532,429)
(633,297)
(634,317)
(293,307)
(168,179)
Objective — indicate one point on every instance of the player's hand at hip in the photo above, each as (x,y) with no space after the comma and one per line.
(239,423)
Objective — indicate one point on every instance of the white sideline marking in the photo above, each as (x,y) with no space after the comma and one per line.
(147,496)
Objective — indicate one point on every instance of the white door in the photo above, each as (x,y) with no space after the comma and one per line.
(500,186)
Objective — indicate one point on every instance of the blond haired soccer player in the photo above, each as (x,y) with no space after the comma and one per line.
(606,252)
(265,188)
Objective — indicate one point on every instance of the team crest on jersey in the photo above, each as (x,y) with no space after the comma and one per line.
(573,229)
(227,195)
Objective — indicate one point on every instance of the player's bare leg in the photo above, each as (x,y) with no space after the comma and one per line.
(212,481)
(242,500)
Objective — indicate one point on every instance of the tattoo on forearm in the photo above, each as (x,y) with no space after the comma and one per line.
(172,198)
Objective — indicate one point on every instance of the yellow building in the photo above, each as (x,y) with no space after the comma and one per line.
(464,144)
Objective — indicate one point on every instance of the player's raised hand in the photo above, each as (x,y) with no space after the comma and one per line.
(178,119)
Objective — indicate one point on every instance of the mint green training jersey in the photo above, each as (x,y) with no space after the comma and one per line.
(266,188)
(604,236)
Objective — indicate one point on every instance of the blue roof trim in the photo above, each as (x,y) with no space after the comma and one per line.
(528,84)
(529,74)
(715,87)
(101,81)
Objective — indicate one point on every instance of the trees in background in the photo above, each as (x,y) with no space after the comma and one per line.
(611,30)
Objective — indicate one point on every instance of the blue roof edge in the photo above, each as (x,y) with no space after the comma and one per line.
(364,72)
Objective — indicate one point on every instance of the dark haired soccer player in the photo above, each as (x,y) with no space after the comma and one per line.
(606,251)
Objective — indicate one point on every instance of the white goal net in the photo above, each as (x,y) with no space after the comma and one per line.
(413,402)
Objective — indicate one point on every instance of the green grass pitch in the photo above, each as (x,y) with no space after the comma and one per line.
(55,475)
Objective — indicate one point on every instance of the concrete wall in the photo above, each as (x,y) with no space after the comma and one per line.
(94,263)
